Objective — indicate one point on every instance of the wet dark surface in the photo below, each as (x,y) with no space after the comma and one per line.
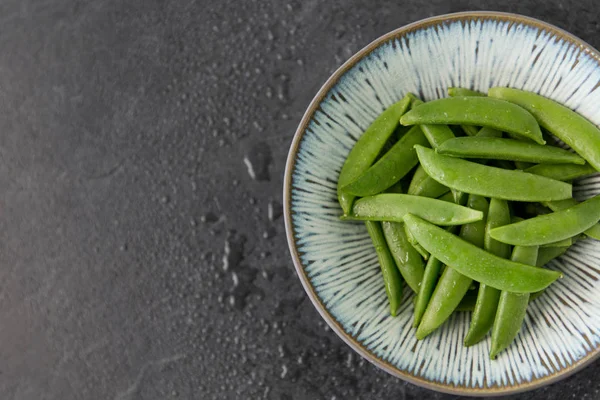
(142,148)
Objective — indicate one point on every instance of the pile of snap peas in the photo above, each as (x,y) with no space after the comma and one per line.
(466,199)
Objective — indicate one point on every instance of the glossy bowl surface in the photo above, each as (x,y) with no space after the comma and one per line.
(335,260)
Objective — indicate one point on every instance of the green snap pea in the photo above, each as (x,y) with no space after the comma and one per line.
(550,228)
(468,302)
(561,243)
(503,164)
(435,134)
(522,165)
(458,91)
(367,148)
(480,111)
(390,168)
(453,285)
(569,126)
(408,260)
(487,297)
(470,130)
(393,207)
(397,187)
(411,239)
(423,185)
(561,172)
(593,232)
(476,263)
(430,278)
(507,149)
(486,131)
(391,275)
(535,209)
(547,254)
(512,307)
(470,177)
(449,197)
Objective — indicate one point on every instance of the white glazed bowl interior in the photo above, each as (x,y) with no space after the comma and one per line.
(336,260)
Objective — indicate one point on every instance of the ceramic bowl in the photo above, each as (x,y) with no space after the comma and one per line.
(335,260)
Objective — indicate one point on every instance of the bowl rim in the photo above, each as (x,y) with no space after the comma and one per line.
(289,229)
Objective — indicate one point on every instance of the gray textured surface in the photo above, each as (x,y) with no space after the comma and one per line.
(124,129)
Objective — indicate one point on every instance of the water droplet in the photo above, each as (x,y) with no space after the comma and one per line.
(281,351)
(257,161)
(274,210)
(124,247)
(269,233)
(209,217)
(233,251)
(164,199)
(284,371)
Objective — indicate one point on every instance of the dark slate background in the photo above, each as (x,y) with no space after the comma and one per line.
(142,149)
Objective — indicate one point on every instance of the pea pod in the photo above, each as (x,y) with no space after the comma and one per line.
(453,285)
(413,242)
(435,134)
(367,148)
(397,187)
(507,149)
(552,227)
(470,130)
(391,275)
(487,296)
(430,278)
(486,131)
(423,185)
(569,126)
(523,165)
(458,91)
(408,260)
(512,307)
(561,243)
(479,111)
(470,177)
(393,207)
(562,172)
(593,232)
(449,197)
(390,168)
(476,263)
(468,302)
(547,254)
